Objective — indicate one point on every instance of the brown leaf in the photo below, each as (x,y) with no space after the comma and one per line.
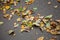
(58,0)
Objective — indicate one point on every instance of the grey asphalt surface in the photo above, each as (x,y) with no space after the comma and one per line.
(43,8)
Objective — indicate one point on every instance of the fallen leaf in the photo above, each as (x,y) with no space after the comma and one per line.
(11,32)
(58,0)
(56,6)
(6,16)
(40,38)
(49,16)
(29,1)
(18,19)
(1,23)
(49,2)
(48,25)
(53,38)
(20,9)
(16,25)
(7,7)
(35,8)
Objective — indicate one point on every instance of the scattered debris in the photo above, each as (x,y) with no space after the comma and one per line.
(29,21)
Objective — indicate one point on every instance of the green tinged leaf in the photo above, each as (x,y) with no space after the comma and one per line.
(27,0)
(49,16)
(30,25)
(47,24)
(35,8)
(20,9)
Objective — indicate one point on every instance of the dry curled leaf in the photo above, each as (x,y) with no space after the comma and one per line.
(24,8)
(22,28)
(57,27)
(11,32)
(4,11)
(11,1)
(53,24)
(12,13)
(15,3)
(6,16)
(29,1)
(16,25)
(58,21)
(53,38)
(7,7)
(40,38)
(10,17)
(41,24)
(18,19)
(54,32)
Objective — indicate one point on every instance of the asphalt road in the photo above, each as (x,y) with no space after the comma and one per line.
(43,8)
